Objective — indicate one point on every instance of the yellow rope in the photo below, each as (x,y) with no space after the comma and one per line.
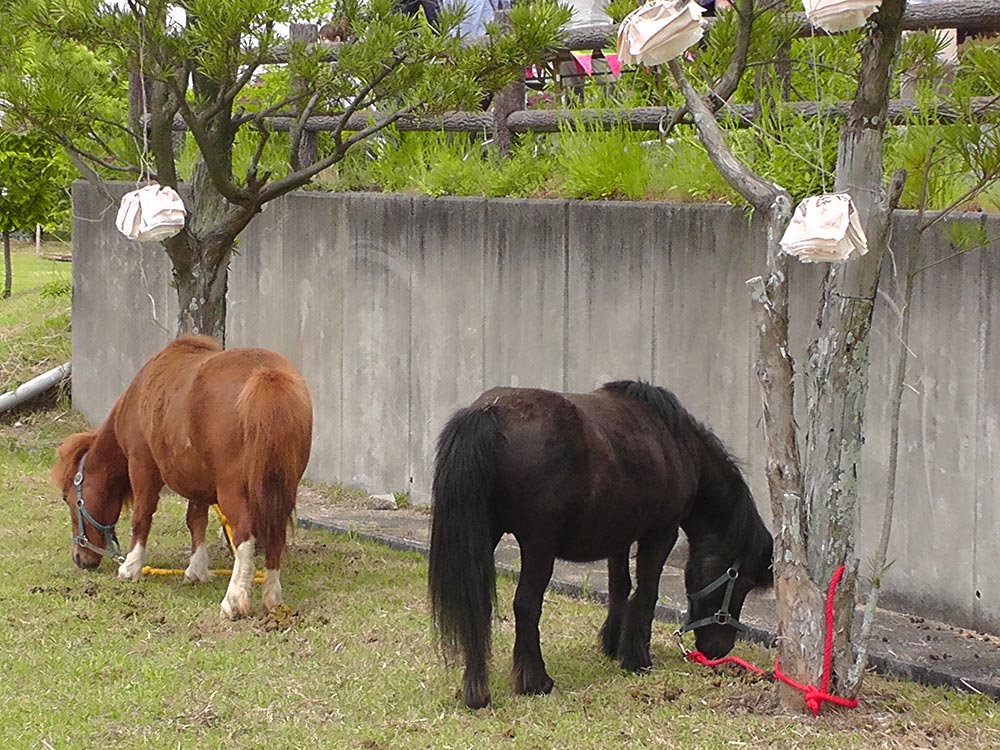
(226,528)
(258,576)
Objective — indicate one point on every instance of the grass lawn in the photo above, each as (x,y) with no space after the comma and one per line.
(34,322)
(88,662)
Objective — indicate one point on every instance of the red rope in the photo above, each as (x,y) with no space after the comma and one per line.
(700,658)
(814,697)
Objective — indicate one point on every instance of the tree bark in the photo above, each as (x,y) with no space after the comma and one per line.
(306,142)
(201,291)
(796,598)
(837,373)
(7,269)
(201,262)
(815,509)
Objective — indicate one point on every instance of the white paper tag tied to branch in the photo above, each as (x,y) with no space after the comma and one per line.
(839,15)
(825,228)
(659,31)
(151,213)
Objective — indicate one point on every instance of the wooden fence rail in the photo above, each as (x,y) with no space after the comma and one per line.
(638,118)
(509,117)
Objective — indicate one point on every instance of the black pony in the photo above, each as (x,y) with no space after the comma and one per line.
(580,477)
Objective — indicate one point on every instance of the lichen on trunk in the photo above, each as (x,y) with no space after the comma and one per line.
(201,294)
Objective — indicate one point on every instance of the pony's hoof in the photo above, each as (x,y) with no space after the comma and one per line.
(197,570)
(542,687)
(127,572)
(197,576)
(534,685)
(234,610)
(609,641)
(476,699)
(636,663)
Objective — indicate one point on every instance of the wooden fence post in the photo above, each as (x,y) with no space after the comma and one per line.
(305,33)
(509,99)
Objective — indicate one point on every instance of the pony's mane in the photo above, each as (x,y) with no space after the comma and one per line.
(745,532)
(195,342)
(666,404)
(68,458)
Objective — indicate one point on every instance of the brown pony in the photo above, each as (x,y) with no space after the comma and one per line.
(228,427)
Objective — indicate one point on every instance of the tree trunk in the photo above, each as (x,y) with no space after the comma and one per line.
(7,271)
(837,373)
(200,257)
(796,597)
(815,503)
(201,292)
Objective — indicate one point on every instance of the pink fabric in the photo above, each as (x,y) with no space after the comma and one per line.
(614,63)
(584,61)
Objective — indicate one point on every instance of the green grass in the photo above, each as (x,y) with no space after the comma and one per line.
(88,661)
(34,322)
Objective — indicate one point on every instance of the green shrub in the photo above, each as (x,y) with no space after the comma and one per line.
(56,289)
(601,164)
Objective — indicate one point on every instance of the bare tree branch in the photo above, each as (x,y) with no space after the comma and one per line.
(984,182)
(161,141)
(356,103)
(129,169)
(899,381)
(217,169)
(228,96)
(243,119)
(303,176)
(298,128)
(374,128)
(124,128)
(253,183)
(89,174)
(757,191)
(738,62)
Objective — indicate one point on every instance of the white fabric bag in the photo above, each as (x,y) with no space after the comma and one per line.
(825,228)
(659,31)
(840,15)
(151,213)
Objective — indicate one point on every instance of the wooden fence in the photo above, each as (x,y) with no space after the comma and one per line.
(509,117)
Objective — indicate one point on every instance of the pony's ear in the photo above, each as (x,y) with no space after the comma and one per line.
(68,458)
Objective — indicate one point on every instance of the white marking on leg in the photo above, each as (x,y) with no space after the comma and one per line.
(272,589)
(197,569)
(237,601)
(135,560)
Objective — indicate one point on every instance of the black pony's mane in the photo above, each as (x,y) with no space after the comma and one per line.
(745,533)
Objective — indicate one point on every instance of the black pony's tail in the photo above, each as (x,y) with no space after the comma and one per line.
(462,577)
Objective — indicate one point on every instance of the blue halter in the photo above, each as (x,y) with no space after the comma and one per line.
(110,548)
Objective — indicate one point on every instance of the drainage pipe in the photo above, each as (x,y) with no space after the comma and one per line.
(33,387)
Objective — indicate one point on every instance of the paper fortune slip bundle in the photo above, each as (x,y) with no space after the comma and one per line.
(151,213)
(825,228)
(839,15)
(659,31)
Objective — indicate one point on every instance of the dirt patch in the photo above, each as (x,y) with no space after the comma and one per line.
(318,498)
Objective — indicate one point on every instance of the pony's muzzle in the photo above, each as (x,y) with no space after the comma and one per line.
(84,558)
(715,641)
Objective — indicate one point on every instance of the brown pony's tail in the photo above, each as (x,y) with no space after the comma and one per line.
(275,412)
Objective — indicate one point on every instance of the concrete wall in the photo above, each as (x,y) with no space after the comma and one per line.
(398,310)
